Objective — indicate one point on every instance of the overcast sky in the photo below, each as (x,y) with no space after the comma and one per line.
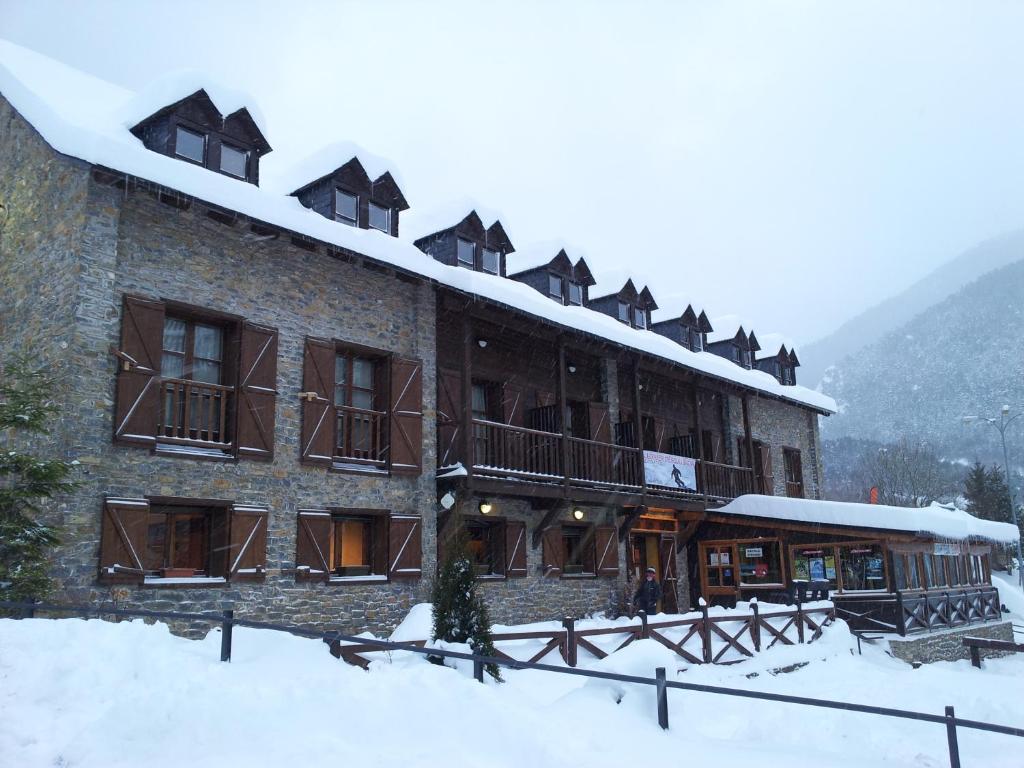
(791,162)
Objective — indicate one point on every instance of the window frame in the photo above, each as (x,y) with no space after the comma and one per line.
(587,546)
(835,547)
(379,520)
(639,318)
(493,529)
(339,190)
(387,217)
(459,241)
(572,284)
(625,308)
(381,442)
(178,507)
(788,455)
(195,130)
(484,250)
(560,294)
(246,154)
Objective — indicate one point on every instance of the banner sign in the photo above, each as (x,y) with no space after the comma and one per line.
(947,548)
(670,471)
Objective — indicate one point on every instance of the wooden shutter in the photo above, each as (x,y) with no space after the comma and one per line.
(405,547)
(764,459)
(607,546)
(449,415)
(313,545)
(123,540)
(257,391)
(406,417)
(317,440)
(513,410)
(247,546)
(553,551)
(138,376)
(515,548)
(589,553)
(667,553)
(600,425)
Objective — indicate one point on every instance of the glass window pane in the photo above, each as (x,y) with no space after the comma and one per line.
(346,207)
(479,401)
(172,366)
(190,144)
(174,335)
(466,253)
(899,573)
(234,161)
(380,217)
(623,312)
(206,371)
(352,544)
(362,399)
(913,576)
(639,318)
(575,294)
(555,286)
(362,373)
(209,341)
(862,567)
(815,564)
(696,341)
(492,261)
(760,562)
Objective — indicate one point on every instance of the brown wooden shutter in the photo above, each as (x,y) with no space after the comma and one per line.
(449,415)
(123,540)
(607,546)
(600,424)
(406,547)
(137,411)
(406,416)
(513,405)
(317,440)
(589,553)
(553,551)
(313,545)
(247,547)
(515,548)
(257,391)
(767,479)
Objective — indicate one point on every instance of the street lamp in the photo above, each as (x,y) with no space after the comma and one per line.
(1005,419)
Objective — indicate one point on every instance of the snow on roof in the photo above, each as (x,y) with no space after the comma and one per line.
(83,117)
(673,306)
(611,281)
(284,181)
(771,343)
(726,327)
(420,222)
(937,520)
(540,255)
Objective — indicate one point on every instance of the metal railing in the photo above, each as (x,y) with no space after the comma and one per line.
(227,621)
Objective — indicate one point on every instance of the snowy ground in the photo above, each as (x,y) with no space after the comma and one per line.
(93,694)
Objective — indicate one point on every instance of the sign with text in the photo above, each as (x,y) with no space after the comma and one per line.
(670,471)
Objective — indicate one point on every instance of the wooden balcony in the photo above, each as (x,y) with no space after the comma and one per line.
(360,436)
(195,413)
(524,454)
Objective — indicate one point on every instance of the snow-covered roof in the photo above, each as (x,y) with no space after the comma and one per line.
(319,164)
(421,221)
(934,521)
(540,255)
(83,117)
(673,306)
(726,327)
(771,343)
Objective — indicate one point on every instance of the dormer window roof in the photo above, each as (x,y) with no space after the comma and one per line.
(556,277)
(193,129)
(468,243)
(628,305)
(688,328)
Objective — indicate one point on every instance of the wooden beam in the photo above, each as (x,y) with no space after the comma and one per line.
(750,445)
(630,520)
(545,523)
(563,417)
(820,529)
(638,423)
(684,536)
(467,395)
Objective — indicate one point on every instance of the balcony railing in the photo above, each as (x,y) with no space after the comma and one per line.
(360,435)
(604,464)
(724,481)
(516,450)
(195,413)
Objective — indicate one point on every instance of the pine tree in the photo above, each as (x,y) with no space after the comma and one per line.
(986,493)
(25,481)
(460,614)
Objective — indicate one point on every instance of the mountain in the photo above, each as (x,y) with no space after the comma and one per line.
(872,324)
(963,355)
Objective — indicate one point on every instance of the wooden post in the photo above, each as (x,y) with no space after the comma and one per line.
(645,633)
(749,440)
(975,656)
(755,627)
(901,618)
(799,616)
(563,417)
(662,689)
(954,748)
(468,446)
(705,633)
(478,670)
(638,425)
(225,635)
(702,485)
(570,640)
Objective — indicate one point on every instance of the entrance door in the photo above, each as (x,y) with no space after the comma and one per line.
(657,551)
(669,580)
(719,572)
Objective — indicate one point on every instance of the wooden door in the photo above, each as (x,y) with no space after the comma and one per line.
(667,573)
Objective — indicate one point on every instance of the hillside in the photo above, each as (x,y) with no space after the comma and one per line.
(870,325)
(960,356)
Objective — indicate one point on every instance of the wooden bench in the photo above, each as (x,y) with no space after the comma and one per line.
(975,644)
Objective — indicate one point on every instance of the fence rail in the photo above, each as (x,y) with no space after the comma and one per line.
(227,621)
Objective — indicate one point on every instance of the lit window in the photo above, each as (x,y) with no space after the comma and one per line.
(576,294)
(178,542)
(640,318)
(190,145)
(623,312)
(380,217)
(484,544)
(234,161)
(492,261)
(352,546)
(555,287)
(466,253)
(346,207)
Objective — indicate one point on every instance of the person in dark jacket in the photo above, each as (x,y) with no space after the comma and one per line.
(647,594)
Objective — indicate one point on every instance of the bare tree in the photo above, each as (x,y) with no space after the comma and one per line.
(907,473)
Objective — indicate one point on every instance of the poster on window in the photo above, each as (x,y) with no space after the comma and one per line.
(816,566)
(670,471)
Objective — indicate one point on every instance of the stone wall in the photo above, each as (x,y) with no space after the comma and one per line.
(948,645)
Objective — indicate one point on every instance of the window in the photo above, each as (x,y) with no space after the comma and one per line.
(190,145)
(576,294)
(862,567)
(484,542)
(359,418)
(624,312)
(491,261)
(847,567)
(577,551)
(184,542)
(719,565)
(555,287)
(746,358)
(815,563)
(787,374)
(794,473)
(234,161)
(352,546)
(346,207)
(194,403)
(640,318)
(696,340)
(380,217)
(466,253)
(760,562)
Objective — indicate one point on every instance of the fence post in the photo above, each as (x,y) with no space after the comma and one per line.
(28,610)
(705,630)
(644,632)
(901,617)
(570,640)
(478,670)
(799,617)
(755,626)
(225,635)
(662,689)
(954,748)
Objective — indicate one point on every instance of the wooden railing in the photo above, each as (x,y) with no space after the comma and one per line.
(724,481)
(920,611)
(516,450)
(360,435)
(193,412)
(604,464)
(794,490)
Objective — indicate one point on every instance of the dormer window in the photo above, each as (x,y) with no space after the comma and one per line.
(624,312)
(696,341)
(491,261)
(190,145)
(576,294)
(346,208)
(380,217)
(787,374)
(466,253)
(555,287)
(746,357)
(233,161)
(639,318)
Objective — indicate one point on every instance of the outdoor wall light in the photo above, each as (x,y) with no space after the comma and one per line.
(572,369)
(448,500)
(482,343)
(486,507)
(577,513)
